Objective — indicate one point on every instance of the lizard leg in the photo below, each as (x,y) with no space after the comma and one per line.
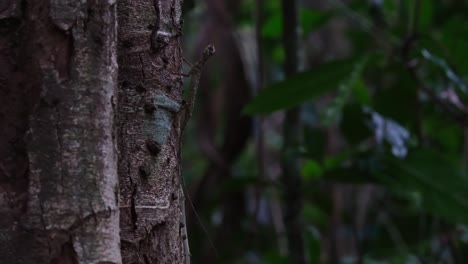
(182,74)
(188,62)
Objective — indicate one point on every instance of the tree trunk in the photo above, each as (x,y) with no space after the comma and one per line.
(58,169)
(150,97)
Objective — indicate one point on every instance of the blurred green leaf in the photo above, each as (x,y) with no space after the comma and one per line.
(313,246)
(439,180)
(273,27)
(361,92)
(445,135)
(396,97)
(310,20)
(314,142)
(350,174)
(311,170)
(354,124)
(278,54)
(313,215)
(301,87)
(389,9)
(354,166)
(454,37)
(335,109)
(426,15)
(396,232)
(275,258)
(335,161)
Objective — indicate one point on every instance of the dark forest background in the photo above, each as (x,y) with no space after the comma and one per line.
(329,132)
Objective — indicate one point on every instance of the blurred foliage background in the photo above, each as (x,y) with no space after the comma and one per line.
(369,163)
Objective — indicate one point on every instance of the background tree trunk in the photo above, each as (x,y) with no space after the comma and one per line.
(150,96)
(291,178)
(58,169)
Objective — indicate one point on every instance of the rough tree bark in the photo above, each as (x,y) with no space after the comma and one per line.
(150,97)
(58,169)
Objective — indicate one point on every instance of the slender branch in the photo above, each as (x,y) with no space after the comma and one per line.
(460,117)
(456,115)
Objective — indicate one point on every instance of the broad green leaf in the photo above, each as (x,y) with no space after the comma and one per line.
(312,19)
(301,87)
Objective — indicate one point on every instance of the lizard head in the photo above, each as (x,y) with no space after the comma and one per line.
(209,51)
